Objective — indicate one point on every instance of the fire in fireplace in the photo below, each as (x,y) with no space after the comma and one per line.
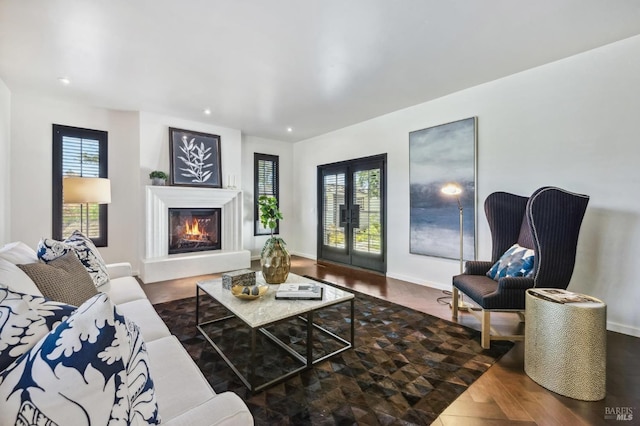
(194,230)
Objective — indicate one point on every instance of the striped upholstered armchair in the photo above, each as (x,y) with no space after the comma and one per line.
(542,231)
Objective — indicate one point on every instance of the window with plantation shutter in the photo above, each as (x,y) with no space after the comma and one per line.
(265,175)
(83,153)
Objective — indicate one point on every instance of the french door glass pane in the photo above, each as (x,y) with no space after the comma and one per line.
(366,195)
(334,187)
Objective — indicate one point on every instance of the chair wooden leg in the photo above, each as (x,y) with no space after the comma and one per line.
(455,296)
(486,329)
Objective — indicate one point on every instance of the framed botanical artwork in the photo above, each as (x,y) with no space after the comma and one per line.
(195,159)
(440,156)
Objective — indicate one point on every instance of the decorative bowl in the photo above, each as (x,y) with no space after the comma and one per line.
(249,292)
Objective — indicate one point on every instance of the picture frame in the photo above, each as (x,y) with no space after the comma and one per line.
(195,159)
(440,155)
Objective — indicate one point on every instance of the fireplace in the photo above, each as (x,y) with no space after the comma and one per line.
(158,266)
(194,229)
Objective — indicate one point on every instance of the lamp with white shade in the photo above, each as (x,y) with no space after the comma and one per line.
(85,191)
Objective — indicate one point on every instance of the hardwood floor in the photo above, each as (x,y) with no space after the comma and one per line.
(504,395)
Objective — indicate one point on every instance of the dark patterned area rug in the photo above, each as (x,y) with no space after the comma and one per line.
(406,367)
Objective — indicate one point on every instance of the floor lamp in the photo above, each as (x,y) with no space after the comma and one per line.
(452,189)
(85,191)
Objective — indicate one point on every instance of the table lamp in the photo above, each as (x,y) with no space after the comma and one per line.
(85,191)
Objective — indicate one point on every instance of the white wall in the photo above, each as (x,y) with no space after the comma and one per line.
(5,182)
(572,124)
(154,154)
(284,150)
(31,142)
(154,145)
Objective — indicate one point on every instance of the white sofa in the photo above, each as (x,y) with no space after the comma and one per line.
(183,394)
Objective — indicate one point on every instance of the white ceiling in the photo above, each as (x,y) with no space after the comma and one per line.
(264,65)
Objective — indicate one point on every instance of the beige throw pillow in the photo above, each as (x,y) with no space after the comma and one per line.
(64,279)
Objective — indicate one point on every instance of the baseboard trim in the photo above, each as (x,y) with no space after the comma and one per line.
(623,328)
(414,280)
(305,255)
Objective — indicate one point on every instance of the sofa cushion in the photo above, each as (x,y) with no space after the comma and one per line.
(179,383)
(83,247)
(15,278)
(63,279)
(24,320)
(91,369)
(229,408)
(122,290)
(141,312)
(18,253)
(118,270)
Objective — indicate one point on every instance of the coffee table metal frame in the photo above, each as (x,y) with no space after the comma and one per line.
(305,313)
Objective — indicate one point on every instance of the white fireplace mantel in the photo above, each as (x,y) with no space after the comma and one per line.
(158,265)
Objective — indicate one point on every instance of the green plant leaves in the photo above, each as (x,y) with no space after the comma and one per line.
(270,214)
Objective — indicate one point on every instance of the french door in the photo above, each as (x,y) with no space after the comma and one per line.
(352,212)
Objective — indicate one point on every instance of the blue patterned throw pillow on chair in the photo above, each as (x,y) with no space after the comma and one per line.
(515,262)
(92,369)
(49,249)
(24,320)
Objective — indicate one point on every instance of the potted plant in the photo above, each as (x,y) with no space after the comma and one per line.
(274,258)
(158,177)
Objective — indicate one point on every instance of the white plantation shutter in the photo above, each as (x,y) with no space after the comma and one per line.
(367,237)
(80,157)
(333,199)
(266,177)
(266,183)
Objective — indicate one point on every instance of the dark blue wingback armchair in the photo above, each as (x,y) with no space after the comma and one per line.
(548,222)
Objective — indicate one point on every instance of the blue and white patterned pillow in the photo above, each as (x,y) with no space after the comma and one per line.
(83,247)
(515,262)
(92,369)
(24,320)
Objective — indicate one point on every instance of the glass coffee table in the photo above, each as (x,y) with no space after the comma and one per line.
(265,312)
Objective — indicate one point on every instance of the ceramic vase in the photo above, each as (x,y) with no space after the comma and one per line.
(275,264)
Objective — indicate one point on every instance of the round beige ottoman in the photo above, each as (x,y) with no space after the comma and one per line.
(566,346)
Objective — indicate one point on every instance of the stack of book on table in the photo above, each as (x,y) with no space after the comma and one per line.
(299,291)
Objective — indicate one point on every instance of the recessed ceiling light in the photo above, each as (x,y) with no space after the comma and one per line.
(64,81)
(289,129)
(206,111)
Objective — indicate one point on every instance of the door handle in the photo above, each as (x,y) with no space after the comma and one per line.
(355,216)
(343,219)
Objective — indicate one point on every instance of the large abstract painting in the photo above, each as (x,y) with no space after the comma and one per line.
(439,156)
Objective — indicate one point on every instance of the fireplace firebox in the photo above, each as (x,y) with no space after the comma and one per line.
(192,230)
